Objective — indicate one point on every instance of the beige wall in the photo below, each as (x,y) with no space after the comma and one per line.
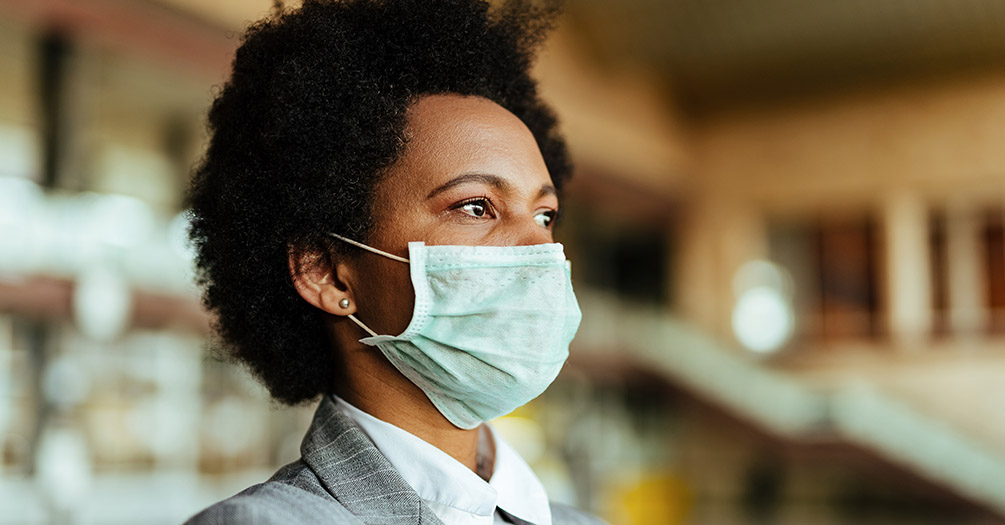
(897,154)
(894,153)
(943,140)
(617,120)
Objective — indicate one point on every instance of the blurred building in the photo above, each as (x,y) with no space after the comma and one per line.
(788,235)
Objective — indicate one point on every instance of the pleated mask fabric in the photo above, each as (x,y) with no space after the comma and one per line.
(490,329)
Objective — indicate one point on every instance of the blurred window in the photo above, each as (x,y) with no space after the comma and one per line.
(833,266)
(628,261)
(620,238)
(939,267)
(993,239)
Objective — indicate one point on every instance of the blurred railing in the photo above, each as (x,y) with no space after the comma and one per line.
(857,414)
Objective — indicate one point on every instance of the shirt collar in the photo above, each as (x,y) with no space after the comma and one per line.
(521,494)
(441,479)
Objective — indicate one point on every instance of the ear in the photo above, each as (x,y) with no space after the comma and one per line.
(321,282)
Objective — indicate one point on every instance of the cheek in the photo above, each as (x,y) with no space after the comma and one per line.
(384,296)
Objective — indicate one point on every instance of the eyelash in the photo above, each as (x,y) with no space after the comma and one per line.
(490,209)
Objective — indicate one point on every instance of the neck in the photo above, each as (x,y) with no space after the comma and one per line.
(434,429)
(370,382)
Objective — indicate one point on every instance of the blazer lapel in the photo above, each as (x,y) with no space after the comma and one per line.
(356,474)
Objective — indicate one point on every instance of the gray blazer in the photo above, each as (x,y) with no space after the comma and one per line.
(340,478)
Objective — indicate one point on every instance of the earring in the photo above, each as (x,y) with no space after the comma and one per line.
(344,303)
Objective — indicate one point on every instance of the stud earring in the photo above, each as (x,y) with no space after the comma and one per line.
(344,303)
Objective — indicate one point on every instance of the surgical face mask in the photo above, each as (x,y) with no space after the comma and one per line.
(490,329)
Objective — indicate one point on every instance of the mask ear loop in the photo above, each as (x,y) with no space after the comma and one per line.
(369,248)
(363,326)
(378,252)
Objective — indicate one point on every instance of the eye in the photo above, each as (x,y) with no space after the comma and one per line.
(477,207)
(545,218)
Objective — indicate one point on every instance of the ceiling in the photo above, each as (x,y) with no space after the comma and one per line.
(723,53)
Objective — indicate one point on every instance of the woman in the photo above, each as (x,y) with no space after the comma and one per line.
(373,220)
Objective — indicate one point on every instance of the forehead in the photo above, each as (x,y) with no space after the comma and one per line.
(448,135)
(461,117)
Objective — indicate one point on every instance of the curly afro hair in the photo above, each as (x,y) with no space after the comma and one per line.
(313,114)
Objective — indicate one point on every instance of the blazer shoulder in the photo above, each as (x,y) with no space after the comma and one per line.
(565,515)
(273,503)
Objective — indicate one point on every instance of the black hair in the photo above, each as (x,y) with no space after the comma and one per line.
(312,115)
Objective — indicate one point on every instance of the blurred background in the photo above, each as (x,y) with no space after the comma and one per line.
(787,224)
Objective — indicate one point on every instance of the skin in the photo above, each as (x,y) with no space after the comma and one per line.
(471,174)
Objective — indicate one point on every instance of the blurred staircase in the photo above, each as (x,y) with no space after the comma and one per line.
(782,405)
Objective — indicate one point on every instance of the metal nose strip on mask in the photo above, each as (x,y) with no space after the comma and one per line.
(369,249)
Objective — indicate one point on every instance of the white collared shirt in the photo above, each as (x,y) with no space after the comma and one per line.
(452,491)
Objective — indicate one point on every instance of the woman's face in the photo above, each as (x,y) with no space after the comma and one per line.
(471,174)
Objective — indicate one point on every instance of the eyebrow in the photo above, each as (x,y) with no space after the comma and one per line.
(495,181)
(546,190)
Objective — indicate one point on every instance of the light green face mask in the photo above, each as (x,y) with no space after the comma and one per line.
(491,326)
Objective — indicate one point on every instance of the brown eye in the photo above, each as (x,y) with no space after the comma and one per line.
(475,209)
(544,219)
